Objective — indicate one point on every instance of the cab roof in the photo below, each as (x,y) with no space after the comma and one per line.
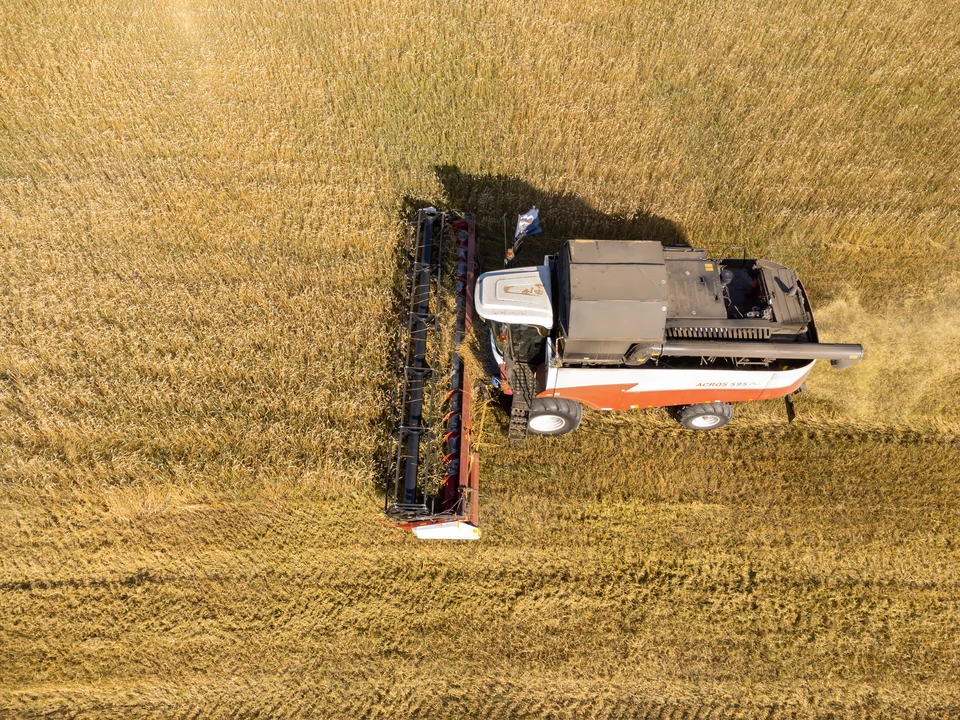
(521,296)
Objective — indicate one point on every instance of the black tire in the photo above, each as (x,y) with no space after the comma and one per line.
(554,416)
(708,416)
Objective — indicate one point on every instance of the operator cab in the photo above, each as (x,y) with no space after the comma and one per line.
(518,304)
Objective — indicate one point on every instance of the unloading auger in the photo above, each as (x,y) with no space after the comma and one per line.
(433,476)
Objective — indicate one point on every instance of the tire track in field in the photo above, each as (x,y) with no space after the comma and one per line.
(332,602)
(445,696)
(788,467)
(313,592)
(834,433)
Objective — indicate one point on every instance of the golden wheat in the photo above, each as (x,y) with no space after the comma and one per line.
(201,207)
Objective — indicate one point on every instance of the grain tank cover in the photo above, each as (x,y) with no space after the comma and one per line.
(615,296)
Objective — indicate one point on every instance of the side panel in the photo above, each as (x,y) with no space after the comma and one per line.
(625,389)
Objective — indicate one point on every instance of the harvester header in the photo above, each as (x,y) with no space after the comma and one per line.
(433,475)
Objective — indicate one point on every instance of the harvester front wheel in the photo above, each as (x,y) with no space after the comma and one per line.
(554,416)
(708,416)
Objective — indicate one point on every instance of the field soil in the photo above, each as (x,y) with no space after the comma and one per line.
(201,216)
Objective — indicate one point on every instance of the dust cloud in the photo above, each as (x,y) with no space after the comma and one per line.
(910,370)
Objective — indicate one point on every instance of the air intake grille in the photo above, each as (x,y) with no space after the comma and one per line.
(719,333)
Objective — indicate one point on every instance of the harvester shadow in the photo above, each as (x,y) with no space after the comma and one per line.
(498,199)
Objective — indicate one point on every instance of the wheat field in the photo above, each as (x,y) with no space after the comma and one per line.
(201,209)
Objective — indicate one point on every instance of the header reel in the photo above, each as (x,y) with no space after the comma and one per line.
(433,474)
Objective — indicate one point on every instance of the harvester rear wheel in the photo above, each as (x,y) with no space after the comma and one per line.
(554,416)
(707,416)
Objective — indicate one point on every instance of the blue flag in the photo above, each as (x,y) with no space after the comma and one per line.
(527,224)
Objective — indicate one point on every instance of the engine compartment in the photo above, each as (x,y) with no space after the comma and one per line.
(618,302)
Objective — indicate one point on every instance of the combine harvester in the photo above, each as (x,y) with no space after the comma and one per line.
(613,325)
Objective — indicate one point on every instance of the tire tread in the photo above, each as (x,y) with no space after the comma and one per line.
(724,410)
(560,406)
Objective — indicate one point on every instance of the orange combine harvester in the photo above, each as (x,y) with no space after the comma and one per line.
(606,324)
